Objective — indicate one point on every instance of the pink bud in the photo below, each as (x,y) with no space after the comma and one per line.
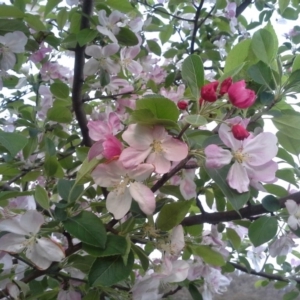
(209,91)
(239,96)
(112,147)
(239,132)
(182,104)
(225,85)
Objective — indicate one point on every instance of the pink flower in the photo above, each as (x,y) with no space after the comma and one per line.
(209,91)
(225,85)
(127,55)
(40,54)
(282,246)
(239,132)
(239,96)
(112,147)
(126,185)
(152,144)
(252,158)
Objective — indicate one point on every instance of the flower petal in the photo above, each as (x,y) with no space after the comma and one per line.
(291,206)
(13,243)
(131,157)
(237,178)
(49,249)
(118,203)
(161,164)
(141,172)
(174,150)
(216,157)
(227,137)
(143,196)
(32,221)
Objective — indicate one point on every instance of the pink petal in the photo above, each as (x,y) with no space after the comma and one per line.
(131,157)
(110,49)
(134,67)
(138,137)
(291,206)
(188,189)
(143,196)
(216,157)
(119,203)
(141,172)
(161,164)
(179,271)
(174,150)
(98,130)
(265,173)
(227,137)
(177,240)
(237,178)
(112,147)
(261,149)
(96,150)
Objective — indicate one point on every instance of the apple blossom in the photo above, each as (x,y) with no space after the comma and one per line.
(257,256)
(239,132)
(239,96)
(127,55)
(209,91)
(101,59)
(294,210)
(23,234)
(252,158)
(152,144)
(11,43)
(282,246)
(225,85)
(126,184)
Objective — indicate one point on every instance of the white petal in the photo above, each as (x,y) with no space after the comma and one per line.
(13,243)
(110,49)
(143,196)
(13,225)
(227,137)
(161,164)
(32,221)
(291,206)
(177,240)
(7,61)
(118,203)
(16,41)
(94,51)
(49,249)
(91,67)
(179,271)
(32,253)
(141,172)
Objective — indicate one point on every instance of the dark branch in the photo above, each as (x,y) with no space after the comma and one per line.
(262,274)
(78,76)
(244,213)
(172,292)
(194,34)
(242,7)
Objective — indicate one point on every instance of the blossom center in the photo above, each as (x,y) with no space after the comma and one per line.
(240,156)
(156,146)
(120,188)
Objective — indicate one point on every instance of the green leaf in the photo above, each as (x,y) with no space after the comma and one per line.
(270,203)
(59,90)
(237,200)
(86,36)
(288,143)
(283,4)
(13,142)
(88,228)
(92,295)
(10,81)
(68,190)
(262,45)
(288,175)
(260,73)
(154,47)
(237,55)
(283,154)
(193,74)
(172,214)
(276,190)
(209,256)
(51,165)
(85,169)
(107,271)
(123,6)
(62,18)
(41,197)
(143,257)
(233,237)
(8,11)
(289,124)
(160,107)
(196,295)
(30,147)
(291,295)
(296,63)
(60,114)
(35,22)
(290,14)
(126,37)
(12,25)
(49,6)
(195,120)
(4,195)
(115,245)
(262,230)
(166,33)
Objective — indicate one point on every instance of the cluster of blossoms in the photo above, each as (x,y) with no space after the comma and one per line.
(238,95)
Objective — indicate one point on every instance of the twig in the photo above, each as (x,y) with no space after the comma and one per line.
(197,15)
(244,213)
(242,7)
(170,293)
(87,7)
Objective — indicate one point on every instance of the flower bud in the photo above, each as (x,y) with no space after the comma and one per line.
(182,104)
(209,91)
(239,132)
(225,85)
(239,96)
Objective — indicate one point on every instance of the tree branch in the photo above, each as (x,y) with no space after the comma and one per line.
(242,7)
(78,76)
(197,15)
(244,213)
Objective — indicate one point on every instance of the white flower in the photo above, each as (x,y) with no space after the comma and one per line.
(282,246)
(24,235)
(294,211)
(10,43)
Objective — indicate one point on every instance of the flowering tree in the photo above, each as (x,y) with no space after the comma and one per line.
(136,154)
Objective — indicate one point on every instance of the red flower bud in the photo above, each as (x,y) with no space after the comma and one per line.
(239,96)
(209,91)
(225,85)
(239,132)
(182,104)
